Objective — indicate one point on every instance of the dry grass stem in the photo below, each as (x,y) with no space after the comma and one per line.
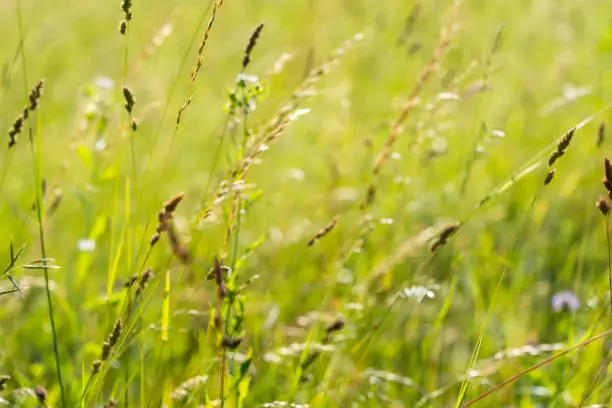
(448,31)
(211,21)
(324,231)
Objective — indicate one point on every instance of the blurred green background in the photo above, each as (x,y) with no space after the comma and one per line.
(482,115)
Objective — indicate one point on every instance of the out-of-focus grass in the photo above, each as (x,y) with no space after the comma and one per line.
(552,69)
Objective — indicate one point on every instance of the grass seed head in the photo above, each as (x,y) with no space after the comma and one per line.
(170,205)
(324,231)
(106,349)
(41,394)
(95,367)
(607,178)
(35,95)
(251,45)
(230,342)
(443,236)
(566,140)
(549,176)
(126,7)
(603,205)
(601,134)
(116,333)
(128,96)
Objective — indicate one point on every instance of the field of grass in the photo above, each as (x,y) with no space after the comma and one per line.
(305,203)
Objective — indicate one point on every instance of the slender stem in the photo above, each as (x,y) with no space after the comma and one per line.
(535,367)
(609,260)
(37,159)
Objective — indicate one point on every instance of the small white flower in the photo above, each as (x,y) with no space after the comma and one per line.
(86,245)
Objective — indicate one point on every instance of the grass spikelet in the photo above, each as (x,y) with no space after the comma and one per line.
(603,205)
(128,96)
(181,111)
(110,342)
(549,176)
(562,146)
(41,394)
(290,110)
(324,231)
(335,326)
(164,216)
(126,7)
(34,99)
(218,274)
(442,238)
(601,134)
(116,333)
(446,36)
(95,367)
(170,205)
(165,224)
(147,275)
(211,21)
(607,178)
(35,95)
(249,48)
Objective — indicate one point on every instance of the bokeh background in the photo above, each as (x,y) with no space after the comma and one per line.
(514,78)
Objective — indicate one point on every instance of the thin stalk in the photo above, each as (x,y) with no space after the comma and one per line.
(609,260)
(535,367)
(480,338)
(37,158)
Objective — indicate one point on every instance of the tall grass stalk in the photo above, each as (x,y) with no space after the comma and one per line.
(36,153)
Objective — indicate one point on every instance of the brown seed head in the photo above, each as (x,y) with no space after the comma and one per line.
(603,205)
(41,394)
(549,176)
(565,142)
(170,205)
(601,134)
(35,95)
(252,42)
(106,349)
(117,330)
(95,367)
(336,325)
(231,342)
(129,99)
(607,180)
(324,231)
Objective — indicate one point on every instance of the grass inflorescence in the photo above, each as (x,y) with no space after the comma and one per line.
(365,218)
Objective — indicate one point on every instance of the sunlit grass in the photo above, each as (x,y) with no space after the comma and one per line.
(369,213)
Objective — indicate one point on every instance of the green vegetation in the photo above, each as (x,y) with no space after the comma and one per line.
(305,203)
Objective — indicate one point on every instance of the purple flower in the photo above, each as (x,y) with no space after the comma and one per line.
(565,301)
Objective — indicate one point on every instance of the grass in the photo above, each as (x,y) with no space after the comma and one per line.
(229,203)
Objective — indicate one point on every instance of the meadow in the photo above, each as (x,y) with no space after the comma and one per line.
(305,203)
